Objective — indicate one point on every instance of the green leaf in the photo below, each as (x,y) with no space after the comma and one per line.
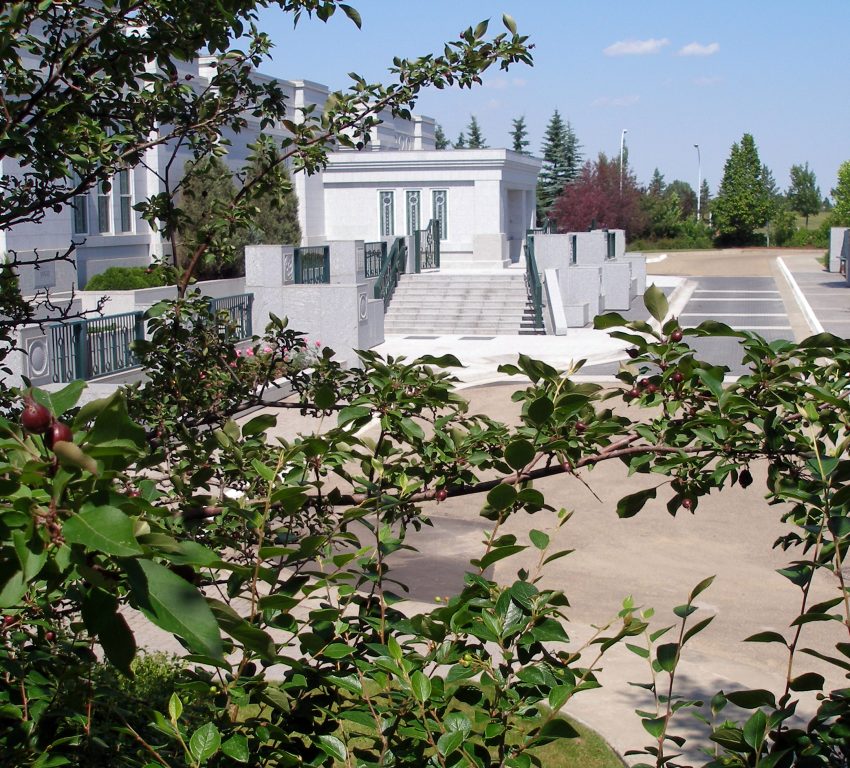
(444,361)
(808,681)
(259,424)
(61,401)
(412,429)
(757,697)
(700,588)
(500,553)
(420,684)
(175,707)
(509,23)
(502,496)
(766,637)
(541,410)
(332,747)
(667,654)
(353,413)
(173,604)
(630,505)
(519,453)
(538,538)
(755,730)
(114,423)
(558,728)
(608,320)
(104,529)
(205,742)
(236,748)
(352,14)
(324,396)
(656,302)
(654,726)
(449,742)
(337,651)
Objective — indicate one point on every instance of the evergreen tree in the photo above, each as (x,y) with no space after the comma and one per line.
(476,138)
(207,188)
(518,141)
(704,201)
(275,219)
(743,201)
(803,192)
(440,140)
(686,196)
(561,162)
(460,142)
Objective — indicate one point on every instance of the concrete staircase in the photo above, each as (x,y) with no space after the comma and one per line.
(441,303)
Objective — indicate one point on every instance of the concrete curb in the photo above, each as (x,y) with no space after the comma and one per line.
(802,301)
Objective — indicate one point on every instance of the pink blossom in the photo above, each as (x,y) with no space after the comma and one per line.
(249,352)
(233,364)
(318,343)
(238,353)
(267,350)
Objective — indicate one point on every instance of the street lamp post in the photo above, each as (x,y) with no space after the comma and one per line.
(699,177)
(622,144)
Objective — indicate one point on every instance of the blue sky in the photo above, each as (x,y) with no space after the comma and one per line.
(672,73)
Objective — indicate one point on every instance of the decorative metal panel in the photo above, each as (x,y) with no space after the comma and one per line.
(440,210)
(387,212)
(413,199)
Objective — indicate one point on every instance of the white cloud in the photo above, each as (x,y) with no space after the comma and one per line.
(698,49)
(501,83)
(704,82)
(636,47)
(494,104)
(519,82)
(616,101)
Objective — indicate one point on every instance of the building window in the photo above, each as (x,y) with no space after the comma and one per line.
(440,212)
(80,204)
(387,213)
(413,205)
(125,201)
(103,200)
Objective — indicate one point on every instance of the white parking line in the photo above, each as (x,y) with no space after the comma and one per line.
(733,314)
(802,302)
(734,298)
(737,290)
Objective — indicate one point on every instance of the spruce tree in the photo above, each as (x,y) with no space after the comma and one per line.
(460,141)
(476,138)
(518,141)
(440,140)
(743,202)
(704,201)
(561,162)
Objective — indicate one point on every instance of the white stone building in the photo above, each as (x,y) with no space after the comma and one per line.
(484,199)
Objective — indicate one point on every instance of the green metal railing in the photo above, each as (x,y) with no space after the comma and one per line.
(89,349)
(549,228)
(312,264)
(426,246)
(612,245)
(374,256)
(532,279)
(389,275)
(238,308)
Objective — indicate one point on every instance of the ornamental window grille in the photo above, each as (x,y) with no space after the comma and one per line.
(440,210)
(104,195)
(80,204)
(125,201)
(386,201)
(414,199)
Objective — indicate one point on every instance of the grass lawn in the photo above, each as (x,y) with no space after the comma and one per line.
(814,221)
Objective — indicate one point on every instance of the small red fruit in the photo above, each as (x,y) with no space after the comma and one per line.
(676,336)
(580,427)
(643,383)
(8,620)
(633,352)
(442,494)
(58,432)
(651,389)
(633,394)
(49,636)
(745,478)
(677,377)
(687,504)
(35,417)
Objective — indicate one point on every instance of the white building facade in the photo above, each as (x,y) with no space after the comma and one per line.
(484,199)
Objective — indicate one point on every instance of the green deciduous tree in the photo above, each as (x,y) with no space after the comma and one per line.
(474,136)
(803,192)
(561,154)
(840,215)
(743,202)
(519,131)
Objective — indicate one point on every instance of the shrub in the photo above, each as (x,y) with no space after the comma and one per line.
(813,238)
(126,279)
